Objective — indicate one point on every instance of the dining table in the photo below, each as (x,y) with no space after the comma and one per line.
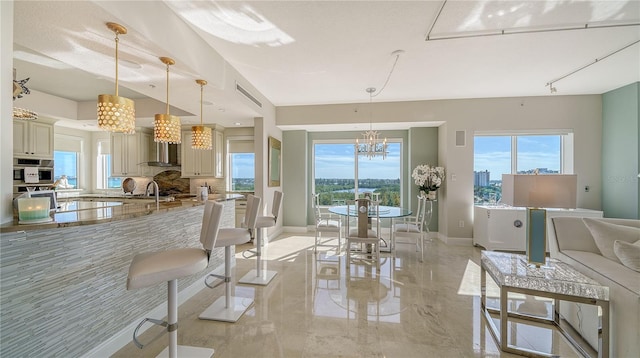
(385,212)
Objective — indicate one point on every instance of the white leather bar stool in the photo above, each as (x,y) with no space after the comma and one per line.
(150,268)
(230,308)
(260,276)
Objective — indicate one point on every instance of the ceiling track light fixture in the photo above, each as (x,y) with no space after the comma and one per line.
(201,135)
(115,113)
(372,146)
(553,89)
(166,127)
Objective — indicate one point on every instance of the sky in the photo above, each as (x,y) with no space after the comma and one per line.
(493,153)
(337,161)
(243,165)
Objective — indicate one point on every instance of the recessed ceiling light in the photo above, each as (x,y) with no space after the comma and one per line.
(152,86)
(207,103)
(237,123)
(221,109)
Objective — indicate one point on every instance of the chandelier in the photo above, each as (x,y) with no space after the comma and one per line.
(372,146)
(166,127)
(201,135)
(115,113)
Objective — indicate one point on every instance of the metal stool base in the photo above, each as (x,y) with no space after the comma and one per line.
(252,278)
(218,312)
(188,351)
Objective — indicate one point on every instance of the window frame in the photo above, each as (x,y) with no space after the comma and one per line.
(229,161)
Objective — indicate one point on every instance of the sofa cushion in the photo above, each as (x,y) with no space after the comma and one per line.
(572,234)
(628,254)
(603,270)
(605,234)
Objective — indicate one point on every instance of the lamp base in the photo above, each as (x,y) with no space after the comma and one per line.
(536,248)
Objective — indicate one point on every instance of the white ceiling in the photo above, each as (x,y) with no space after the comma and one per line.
(322,52)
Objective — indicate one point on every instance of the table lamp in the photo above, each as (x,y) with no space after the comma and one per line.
(537,192)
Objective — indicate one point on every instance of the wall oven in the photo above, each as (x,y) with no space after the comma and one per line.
(36,173)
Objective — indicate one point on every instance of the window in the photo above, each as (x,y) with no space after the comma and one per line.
(66,163)
(103,175)
(241,162)
(495,155)
(339,173)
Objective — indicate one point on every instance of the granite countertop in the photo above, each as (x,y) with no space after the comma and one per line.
(100,211)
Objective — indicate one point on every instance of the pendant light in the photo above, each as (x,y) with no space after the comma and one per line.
(166,128)
(372,146)
(115,113)
(201,135)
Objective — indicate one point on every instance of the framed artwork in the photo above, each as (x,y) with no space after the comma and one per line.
(275,154)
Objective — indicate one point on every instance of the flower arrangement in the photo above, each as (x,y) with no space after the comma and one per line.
(428,178)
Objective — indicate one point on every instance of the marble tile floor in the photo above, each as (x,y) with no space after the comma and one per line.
(313,308)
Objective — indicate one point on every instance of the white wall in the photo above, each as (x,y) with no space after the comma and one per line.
(6,111)
(581,114)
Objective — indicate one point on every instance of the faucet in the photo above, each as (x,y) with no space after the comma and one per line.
(156,191)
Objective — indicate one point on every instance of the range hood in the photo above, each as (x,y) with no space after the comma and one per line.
(166,156)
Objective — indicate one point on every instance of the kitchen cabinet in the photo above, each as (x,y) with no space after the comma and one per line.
(32,139)
(218,152)
(196,162)
(504,228)
(129,153)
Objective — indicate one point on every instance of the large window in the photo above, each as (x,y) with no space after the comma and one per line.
(241,164)
(339,173)
(66,163)
(103,175)
(495,155)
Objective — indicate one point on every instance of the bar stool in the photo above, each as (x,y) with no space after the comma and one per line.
(230,308)
(150,268)
(260,276)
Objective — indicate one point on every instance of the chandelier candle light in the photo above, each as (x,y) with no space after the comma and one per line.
(201,135)
(372,145)
(115,113)
(428,179)
(166,127)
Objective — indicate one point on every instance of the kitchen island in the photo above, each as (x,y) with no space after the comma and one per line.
(64,283)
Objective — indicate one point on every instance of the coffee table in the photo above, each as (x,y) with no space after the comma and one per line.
(556,280)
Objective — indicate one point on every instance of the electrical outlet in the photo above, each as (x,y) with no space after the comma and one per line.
(461,223)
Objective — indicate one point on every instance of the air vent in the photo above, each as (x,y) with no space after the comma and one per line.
(248,95)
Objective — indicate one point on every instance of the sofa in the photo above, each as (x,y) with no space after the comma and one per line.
(582,243)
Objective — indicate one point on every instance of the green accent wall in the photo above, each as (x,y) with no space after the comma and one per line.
(423,149)
(294,178)
(620,152)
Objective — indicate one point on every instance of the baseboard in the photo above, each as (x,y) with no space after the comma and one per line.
(125,336)
(297,229)
(456,241)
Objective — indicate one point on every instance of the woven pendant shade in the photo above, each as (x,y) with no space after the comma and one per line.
(166,127)
(115,113)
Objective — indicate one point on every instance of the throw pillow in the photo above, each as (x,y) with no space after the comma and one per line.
(605,234)
(628,253)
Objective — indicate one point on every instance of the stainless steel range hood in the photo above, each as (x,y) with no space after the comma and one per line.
(166,156)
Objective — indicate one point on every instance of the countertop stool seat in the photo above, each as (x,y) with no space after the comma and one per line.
(152,268)
(230,308)
(260,276)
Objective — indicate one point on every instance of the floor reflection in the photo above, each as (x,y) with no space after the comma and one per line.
(312,308)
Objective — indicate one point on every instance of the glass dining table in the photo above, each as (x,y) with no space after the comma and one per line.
(386,212)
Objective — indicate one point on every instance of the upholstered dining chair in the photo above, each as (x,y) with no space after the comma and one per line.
(366,211)
(151,268)
(325,223)
(230,308)
(412,228)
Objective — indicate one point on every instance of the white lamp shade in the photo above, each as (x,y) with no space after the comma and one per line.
(540,191)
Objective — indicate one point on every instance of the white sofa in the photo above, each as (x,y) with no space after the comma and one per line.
(571,241)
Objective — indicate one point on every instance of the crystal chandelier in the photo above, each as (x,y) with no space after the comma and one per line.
(372,146)
(201,135)
(166,127)
(115,113)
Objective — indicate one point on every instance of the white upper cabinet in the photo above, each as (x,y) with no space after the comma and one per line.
(218,148)
(32,139)
(195,162)
(129,153)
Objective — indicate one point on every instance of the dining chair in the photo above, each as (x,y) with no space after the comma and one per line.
(366,212)
(325,223)
(411,227)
